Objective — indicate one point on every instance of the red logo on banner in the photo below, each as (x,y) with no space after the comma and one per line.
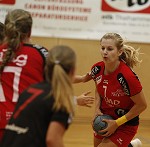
(9,2)
(129,6)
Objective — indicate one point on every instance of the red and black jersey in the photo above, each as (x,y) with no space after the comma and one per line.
(26,68)
(32,115)
(116,89)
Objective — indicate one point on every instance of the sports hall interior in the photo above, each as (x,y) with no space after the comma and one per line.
(80,132)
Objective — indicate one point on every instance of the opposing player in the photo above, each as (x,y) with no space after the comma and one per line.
(45,110)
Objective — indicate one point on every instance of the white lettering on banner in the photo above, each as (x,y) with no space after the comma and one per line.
(62,1)
(87,19)
(129,5)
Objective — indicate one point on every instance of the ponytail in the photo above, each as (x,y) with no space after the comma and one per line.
(62,89)
(18,24)
(13,42)
(59,73)
(130,56)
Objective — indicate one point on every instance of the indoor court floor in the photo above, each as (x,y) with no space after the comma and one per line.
(80,134)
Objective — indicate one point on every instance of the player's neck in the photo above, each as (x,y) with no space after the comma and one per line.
(110,68)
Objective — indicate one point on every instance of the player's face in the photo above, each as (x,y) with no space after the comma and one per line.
(109,51)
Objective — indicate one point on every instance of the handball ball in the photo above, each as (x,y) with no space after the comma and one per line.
(99,124)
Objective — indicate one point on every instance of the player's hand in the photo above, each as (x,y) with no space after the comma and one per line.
(111,128)
(85,100)
(97,112)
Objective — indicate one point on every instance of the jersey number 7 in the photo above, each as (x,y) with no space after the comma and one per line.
(17,72)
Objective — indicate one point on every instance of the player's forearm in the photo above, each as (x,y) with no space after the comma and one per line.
(139,106)
(97,103)
(84,78)
(78,79)
(135,111)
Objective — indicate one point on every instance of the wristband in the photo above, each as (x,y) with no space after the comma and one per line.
(121,120)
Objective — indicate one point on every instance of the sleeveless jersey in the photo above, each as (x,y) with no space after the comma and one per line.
(33,114)
(25,69)
(116,89)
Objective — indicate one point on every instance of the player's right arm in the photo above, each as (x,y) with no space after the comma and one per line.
(84,78)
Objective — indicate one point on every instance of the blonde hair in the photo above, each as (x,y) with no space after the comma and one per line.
(129,55)
(60,62)
(18,24)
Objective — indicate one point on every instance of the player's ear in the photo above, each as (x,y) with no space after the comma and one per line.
(120,51)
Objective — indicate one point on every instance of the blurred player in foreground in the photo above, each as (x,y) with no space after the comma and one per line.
(45,110)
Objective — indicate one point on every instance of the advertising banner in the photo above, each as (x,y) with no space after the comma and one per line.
(85,19)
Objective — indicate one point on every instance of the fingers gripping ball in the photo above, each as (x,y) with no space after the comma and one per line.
(99,124)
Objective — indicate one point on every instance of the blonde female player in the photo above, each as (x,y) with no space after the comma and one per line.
(119,92)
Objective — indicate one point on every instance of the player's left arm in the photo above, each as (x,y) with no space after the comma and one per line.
(136,95)
(133,88)
(55,133)
(139,105)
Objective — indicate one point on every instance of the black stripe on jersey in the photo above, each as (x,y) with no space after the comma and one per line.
(135,74)
(123,82)
(43,51)
(95,70)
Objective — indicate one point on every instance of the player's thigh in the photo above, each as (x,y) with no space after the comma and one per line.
(107,143)
(97,139)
